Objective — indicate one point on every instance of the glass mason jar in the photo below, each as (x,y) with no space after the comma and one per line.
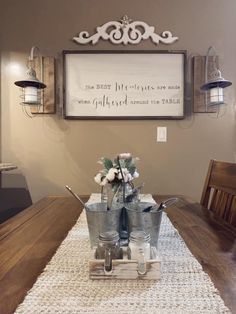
(139,249)
(108,248)
(124,193)
(108,193)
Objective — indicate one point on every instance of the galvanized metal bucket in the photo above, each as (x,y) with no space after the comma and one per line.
(100,220)
(146,221)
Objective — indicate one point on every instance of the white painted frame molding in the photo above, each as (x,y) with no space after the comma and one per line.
(125,32)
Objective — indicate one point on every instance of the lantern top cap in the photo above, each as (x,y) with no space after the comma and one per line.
(30,80)
(216,81)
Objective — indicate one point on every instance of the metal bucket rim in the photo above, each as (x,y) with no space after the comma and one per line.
(102,211)
(143,203)
(155,212)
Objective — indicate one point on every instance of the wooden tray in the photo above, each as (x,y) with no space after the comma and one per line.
(124,269)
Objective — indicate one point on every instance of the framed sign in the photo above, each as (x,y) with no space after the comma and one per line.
(124,84)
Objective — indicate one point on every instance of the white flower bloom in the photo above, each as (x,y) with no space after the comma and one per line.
(119,176)
(126,174)
(129,177)
(124,155)
(126,178)
(135,175)
(98,178)
(104,182)
(111,174)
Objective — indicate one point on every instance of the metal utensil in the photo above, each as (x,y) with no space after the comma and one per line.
(124,235)
(151,208)
(168,202)
(77,197)
(135,193)
(164,204)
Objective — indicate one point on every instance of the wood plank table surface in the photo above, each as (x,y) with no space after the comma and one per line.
(29,240)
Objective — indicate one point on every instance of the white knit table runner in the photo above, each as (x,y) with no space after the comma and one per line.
(64,286)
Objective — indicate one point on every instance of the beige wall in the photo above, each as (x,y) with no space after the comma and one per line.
(51,152)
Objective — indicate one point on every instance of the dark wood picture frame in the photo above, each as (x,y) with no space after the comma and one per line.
(124,84)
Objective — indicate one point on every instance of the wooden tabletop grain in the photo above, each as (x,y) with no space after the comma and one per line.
(29,240)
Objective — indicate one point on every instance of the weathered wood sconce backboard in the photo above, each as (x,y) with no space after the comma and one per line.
(45,70)
(199,103)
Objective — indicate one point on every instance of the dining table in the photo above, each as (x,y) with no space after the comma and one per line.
(30,239)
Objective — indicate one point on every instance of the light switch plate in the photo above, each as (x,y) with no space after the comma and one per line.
(161,134)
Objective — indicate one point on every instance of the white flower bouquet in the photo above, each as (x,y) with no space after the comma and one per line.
(116,178)
(121,170)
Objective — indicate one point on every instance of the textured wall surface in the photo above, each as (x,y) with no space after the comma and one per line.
(51,152)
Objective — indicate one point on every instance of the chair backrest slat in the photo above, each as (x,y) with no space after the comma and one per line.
(232,216)
(223,175)
(219,191)
(228,207)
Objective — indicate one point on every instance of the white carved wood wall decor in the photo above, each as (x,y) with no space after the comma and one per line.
(125,32)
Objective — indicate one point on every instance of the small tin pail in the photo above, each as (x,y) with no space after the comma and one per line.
(146,221)
(100,220)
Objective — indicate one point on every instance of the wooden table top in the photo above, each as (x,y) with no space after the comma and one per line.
(29,240)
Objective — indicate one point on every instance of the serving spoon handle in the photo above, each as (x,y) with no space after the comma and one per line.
(77,197)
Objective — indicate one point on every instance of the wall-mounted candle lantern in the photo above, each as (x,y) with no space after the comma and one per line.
(34,98)
(31,85)
(214,84)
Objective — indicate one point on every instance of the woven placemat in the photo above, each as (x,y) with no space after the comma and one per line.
(65,287)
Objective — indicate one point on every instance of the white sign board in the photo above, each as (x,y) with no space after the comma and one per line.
(124,85)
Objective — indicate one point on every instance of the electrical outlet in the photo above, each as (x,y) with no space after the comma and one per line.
(161,134)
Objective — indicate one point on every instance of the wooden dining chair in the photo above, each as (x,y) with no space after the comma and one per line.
(219,192)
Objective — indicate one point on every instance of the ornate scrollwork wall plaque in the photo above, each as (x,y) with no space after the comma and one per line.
(125,32)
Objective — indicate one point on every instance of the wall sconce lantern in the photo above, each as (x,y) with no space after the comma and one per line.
(215,84)
(31,85)
(35,98)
